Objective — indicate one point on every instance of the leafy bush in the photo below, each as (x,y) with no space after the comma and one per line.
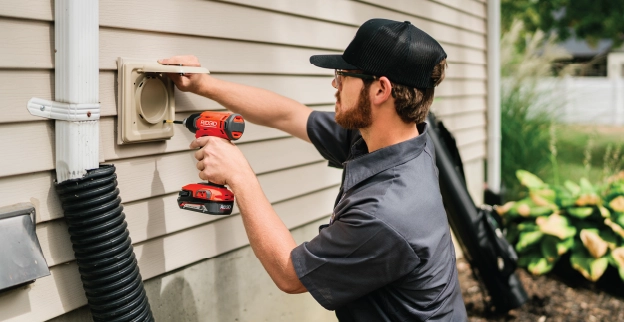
(583,219)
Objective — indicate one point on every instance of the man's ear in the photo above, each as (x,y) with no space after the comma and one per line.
(382,91)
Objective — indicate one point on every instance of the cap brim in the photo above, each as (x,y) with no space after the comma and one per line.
(331,61)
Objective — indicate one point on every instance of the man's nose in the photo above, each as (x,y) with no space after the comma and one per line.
(334,85)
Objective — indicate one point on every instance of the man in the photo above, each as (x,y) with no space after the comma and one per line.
(386,254)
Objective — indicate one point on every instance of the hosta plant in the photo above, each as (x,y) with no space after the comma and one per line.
(583,219)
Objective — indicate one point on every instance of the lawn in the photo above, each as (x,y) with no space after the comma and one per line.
(575,141)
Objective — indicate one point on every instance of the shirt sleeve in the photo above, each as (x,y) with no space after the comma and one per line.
(330,139)
(354,256)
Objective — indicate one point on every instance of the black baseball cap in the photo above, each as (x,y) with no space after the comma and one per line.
(397,50)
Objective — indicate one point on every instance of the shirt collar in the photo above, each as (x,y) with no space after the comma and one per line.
(364,165)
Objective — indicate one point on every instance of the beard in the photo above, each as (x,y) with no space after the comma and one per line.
(360,116)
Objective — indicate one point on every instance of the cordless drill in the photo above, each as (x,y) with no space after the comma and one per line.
(207,197)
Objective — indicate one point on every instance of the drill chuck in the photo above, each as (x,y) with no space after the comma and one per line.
(189,122)
(225,125)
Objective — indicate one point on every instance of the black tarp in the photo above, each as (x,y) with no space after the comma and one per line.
(491,257)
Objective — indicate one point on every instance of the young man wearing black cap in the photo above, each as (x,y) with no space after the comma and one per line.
(386,254)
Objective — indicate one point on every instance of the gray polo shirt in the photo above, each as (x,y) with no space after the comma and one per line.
(387,253)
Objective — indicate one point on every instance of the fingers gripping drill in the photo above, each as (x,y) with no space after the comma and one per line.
(208,197)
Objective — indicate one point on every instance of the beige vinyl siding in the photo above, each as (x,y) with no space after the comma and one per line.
(30,139)
(473,7)
(262,43)
(62,291)
(18,86)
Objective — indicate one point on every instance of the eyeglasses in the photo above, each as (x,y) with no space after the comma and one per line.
(339,74)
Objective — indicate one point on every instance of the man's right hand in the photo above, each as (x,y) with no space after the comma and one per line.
(186,82)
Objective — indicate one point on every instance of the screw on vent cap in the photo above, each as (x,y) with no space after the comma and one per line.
(397,50)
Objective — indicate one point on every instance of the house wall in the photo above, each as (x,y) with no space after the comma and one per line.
(264,43)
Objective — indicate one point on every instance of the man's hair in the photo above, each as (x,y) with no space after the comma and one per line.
(412,104)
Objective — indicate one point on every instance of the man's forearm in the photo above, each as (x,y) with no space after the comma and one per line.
(270,240)
(258,106)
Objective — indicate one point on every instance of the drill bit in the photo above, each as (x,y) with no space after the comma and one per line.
(173,121)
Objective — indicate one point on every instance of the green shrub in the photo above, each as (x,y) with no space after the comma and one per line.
(584,219)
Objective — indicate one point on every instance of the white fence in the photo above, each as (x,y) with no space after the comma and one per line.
(586,100)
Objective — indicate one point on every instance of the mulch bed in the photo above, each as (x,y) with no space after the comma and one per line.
(562,295)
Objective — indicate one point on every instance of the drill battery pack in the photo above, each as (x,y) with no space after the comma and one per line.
(207,198)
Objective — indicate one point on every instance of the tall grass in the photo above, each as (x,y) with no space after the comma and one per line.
(589,151)
(526,108)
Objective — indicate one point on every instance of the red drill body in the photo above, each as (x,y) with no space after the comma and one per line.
(210,198)
(224,125)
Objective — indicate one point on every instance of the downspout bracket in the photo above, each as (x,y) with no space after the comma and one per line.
(64,111)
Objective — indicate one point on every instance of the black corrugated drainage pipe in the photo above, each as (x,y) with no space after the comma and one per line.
(100,239)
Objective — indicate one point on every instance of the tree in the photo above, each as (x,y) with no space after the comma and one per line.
(590,20)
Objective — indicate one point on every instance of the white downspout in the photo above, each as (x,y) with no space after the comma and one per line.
(76,107)
(493,101)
